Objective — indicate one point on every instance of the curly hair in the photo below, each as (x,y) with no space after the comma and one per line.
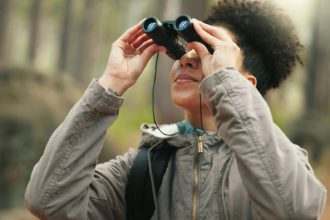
(265,35)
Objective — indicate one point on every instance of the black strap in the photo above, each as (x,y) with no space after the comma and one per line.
(139,198)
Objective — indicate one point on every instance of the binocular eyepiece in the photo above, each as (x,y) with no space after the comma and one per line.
(166,33)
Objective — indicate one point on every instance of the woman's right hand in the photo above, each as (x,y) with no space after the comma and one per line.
(128,57)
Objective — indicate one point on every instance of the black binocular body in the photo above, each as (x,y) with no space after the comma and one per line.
(167,33)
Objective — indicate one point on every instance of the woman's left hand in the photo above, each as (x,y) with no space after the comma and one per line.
(226,52)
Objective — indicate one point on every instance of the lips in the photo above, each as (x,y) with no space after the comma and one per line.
(182,78)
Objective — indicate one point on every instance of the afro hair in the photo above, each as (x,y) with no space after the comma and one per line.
(265,35)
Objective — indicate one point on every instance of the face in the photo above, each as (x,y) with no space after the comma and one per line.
(186,75)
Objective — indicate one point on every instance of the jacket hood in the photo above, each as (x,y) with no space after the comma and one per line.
(170,133)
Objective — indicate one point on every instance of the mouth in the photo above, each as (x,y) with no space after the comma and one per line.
(185,78)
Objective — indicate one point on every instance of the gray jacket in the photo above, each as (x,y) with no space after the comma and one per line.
(248,170)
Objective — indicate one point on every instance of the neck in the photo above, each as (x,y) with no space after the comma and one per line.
(195,120)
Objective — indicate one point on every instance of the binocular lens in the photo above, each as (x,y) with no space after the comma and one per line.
(183,24)
(151,26)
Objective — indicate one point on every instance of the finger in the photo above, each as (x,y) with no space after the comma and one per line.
(208,38)
(150,51)
(200,49)
(131,32)
(135,36)
(143,38)
(217,32)
(145,45)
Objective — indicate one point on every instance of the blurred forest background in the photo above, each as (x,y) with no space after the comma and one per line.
(50,50)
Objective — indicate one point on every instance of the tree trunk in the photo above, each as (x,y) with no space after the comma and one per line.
(4,23)
(312,129)
(318,80)
(34,30)
(65,36)
(86,41)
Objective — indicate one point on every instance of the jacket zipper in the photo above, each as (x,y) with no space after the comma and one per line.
(199,151)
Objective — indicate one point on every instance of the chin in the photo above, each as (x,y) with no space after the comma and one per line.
(189,102)
(190,106)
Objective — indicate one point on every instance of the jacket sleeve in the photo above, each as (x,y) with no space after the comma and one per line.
(66,183)
(275,172)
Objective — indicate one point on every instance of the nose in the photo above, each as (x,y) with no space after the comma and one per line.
(190,59)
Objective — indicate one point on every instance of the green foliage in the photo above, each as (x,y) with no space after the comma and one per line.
(135,110)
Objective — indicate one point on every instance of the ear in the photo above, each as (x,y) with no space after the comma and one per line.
(251,78)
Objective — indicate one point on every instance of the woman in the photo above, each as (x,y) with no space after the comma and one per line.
(233,163)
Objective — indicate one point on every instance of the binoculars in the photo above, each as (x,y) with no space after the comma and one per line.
(167,33)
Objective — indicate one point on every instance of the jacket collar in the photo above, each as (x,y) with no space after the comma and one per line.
(151,135)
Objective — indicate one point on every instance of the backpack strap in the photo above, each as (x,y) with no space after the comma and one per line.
(139,198)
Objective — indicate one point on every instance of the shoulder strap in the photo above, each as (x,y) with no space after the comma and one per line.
(139,198)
